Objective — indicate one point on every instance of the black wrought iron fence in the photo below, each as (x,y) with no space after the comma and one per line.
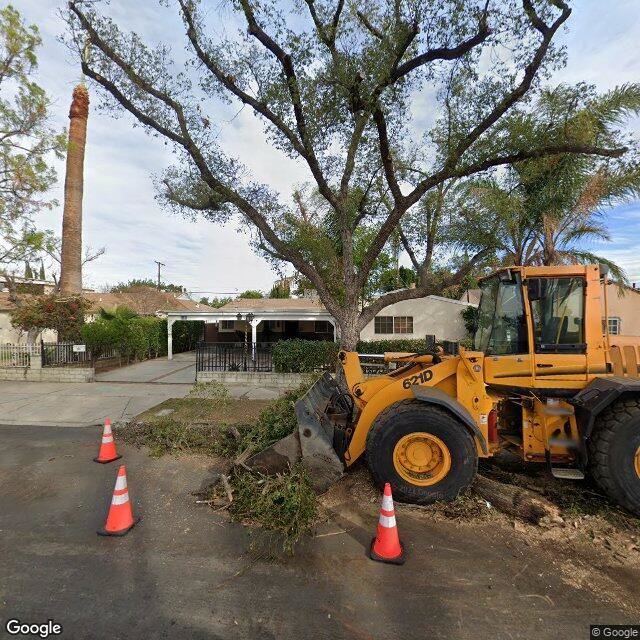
(233,356)
(58,354)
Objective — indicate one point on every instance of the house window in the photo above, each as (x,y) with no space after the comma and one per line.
(322,326)
(613,325)
(403,324)
(383,324)
(393,324)
(227,325)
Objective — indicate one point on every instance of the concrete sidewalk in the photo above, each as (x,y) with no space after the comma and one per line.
(64,404)
(120,394)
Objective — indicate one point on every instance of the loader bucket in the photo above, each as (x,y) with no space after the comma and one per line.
(311,443)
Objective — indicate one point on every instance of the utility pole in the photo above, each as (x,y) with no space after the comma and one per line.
(160,264)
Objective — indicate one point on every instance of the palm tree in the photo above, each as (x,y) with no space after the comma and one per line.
(544,212)
(71,263)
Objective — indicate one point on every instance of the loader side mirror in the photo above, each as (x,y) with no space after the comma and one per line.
(535,288)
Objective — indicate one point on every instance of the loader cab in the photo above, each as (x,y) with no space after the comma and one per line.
(531,327)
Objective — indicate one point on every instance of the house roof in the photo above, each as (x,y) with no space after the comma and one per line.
(471,296)
(273,304)
(144,301)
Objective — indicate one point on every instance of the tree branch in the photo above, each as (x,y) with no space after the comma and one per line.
(286,63)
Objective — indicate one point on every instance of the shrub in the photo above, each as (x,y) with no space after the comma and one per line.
(284,504)
(471,317)
(276,420)
(411,345)
(133,337)
(304,356)
(63,314)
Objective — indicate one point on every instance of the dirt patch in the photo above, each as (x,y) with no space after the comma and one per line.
(205,410)
(596,547)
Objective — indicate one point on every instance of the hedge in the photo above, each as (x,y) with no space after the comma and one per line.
(139,338)
(414,345)
(303,356)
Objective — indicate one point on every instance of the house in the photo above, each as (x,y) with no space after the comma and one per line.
(145,301)
(623,313)
(272,319)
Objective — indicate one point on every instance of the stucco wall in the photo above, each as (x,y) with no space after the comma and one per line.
(9,335)
(432,315)
(627,308)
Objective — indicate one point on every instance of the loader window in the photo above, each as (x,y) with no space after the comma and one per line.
(558,316)
(502,327)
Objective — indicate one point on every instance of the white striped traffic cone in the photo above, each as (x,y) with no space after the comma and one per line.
(386,546)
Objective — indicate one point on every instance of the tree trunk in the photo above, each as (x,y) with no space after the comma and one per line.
(517,501)
(349,333)
(71,260)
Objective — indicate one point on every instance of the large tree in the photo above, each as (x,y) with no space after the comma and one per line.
(27,142)
(415,93)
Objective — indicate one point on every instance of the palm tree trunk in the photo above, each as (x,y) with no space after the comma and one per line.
(71,259)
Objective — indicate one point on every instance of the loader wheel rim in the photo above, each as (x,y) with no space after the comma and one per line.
(421,458)
(637,462)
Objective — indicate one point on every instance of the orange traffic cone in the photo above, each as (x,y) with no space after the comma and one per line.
(108,451)
(386,546)
(120,519)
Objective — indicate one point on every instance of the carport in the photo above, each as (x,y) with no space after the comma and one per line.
(258,316)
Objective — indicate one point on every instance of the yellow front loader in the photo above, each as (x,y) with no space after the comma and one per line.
(544,380)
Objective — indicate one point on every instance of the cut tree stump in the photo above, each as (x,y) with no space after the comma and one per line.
(517,501)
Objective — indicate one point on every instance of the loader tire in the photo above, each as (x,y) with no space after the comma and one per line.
(423,451)
(614,453)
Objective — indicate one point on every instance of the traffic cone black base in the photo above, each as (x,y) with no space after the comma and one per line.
(374,556)
(122,532)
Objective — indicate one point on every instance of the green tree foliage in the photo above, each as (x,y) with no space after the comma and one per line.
(280,290)
(251,294)
(216,303)
(27,142)
(28,272)
(136,283)
(64,314)
(334,84)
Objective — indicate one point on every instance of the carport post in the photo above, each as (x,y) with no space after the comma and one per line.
(335,333)
(254,335)
(170,322)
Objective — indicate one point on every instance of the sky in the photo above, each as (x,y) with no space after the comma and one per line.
(120,210)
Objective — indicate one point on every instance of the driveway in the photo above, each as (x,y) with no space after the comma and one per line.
(180,370)
(186,572)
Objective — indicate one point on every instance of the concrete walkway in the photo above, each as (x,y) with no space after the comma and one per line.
(180,370)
